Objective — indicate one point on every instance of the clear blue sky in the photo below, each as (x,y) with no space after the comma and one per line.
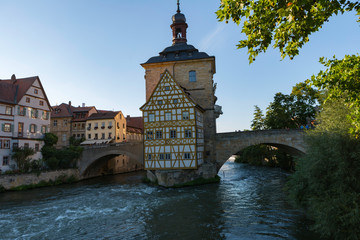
(89,51)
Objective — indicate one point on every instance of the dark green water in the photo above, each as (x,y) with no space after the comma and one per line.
(249,203)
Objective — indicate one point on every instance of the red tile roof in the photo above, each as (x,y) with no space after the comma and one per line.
(103,115)
(135,122)
(62,110)
(14,89)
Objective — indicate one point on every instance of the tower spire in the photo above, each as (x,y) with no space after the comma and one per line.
(179,26)
(178,6)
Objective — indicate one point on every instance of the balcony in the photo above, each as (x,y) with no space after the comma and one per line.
(95,128)
(102,127)
(110,127)
(89,128)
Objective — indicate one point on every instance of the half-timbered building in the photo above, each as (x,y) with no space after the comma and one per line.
(173,128)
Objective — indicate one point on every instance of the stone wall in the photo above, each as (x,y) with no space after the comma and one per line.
(16,180)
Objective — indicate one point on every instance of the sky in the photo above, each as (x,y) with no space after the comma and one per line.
(90,51)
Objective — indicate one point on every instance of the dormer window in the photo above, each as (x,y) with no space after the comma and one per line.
(36,91)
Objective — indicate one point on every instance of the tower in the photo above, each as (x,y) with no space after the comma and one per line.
(193,71)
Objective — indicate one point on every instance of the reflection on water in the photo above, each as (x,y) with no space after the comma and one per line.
(247,204)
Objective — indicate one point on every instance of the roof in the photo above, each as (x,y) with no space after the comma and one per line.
(133,130)
(83,109)
(178,52)
(135,122)
(103,115)
(62,110)
(14,89)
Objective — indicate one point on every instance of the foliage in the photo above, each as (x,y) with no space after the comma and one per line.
(75,142)
(60,158)
(287,23)
(50,139)
(21,157)
(258,121)
(264,155)
(291,111)
(327,178)
(341,79)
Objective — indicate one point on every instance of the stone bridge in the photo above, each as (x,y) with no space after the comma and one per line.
(96,153)
(231,143)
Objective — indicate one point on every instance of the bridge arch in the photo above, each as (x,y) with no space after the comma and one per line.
(228,144)
(94,156)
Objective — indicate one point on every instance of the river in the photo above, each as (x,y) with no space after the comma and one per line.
(248,203)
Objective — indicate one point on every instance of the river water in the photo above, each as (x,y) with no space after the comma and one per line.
(248,203)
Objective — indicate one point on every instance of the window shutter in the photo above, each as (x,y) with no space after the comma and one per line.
(35,127)
(36,113)
(12,127)
(19,110)
(3,127)
(47,115)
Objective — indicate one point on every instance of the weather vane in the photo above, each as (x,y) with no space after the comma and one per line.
(178,4)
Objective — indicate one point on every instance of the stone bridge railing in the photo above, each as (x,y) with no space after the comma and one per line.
(230,143)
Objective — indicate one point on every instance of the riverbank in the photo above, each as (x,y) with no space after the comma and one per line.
(25,181)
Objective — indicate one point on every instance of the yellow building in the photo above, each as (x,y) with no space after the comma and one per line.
(173,128)
(105,127)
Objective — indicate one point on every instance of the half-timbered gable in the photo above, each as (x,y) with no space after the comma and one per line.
(173,128)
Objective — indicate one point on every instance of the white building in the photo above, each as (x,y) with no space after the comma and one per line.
(24,117)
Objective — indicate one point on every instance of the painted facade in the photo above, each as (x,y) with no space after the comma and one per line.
(24,117)
(173,128)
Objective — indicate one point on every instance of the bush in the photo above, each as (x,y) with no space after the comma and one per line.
(327,182)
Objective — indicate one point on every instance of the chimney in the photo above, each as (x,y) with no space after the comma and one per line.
(13,78)
(83,105)
(69,103)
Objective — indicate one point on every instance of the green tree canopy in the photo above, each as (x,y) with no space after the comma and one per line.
(258,122)
(288,23)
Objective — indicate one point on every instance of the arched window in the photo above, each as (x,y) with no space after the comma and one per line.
(192,76)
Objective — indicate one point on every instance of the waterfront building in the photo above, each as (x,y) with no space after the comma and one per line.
(69,121)
(24,117)
(105,127)
(180,87)
(134,129)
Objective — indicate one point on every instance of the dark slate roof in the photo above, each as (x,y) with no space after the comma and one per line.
(103,115)
(178,52)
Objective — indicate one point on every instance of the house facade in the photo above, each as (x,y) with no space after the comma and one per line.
(173,128)
(134,129)
(24,117)
(104,127)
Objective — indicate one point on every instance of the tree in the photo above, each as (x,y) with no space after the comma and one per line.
(327,178)
(341,80)
(286,22)
(258,121)
(21,157)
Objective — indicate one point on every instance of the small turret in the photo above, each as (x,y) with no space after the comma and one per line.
(179,27)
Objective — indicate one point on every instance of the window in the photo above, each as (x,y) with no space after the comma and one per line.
(185,115)
(6,127)
(28,100)
(37,147)
(83,126)
(149,135)
(78,136)
(110,125)
(7,144)
(89,126)
(55,123)
(167,116)
(192,76)
(102,125)
(45,115)
(22,111)
(34,113)
(36,91)
(110,136)
(151,117)
(64,137)
(32,128)
(20,129)
(160,102)
(8,111)
(41,103)
(102,135)
(149,156)
(26,145)
(65,122)
(96,136)
(43,129)
(5,161)
(82,135)
(172,133)
(96,126)
(1,146)
(188,133)
(15,145)
(187,156)
(89,136)
(123,125)
(167,156)
(161,156)
(158,134)
(175,101)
